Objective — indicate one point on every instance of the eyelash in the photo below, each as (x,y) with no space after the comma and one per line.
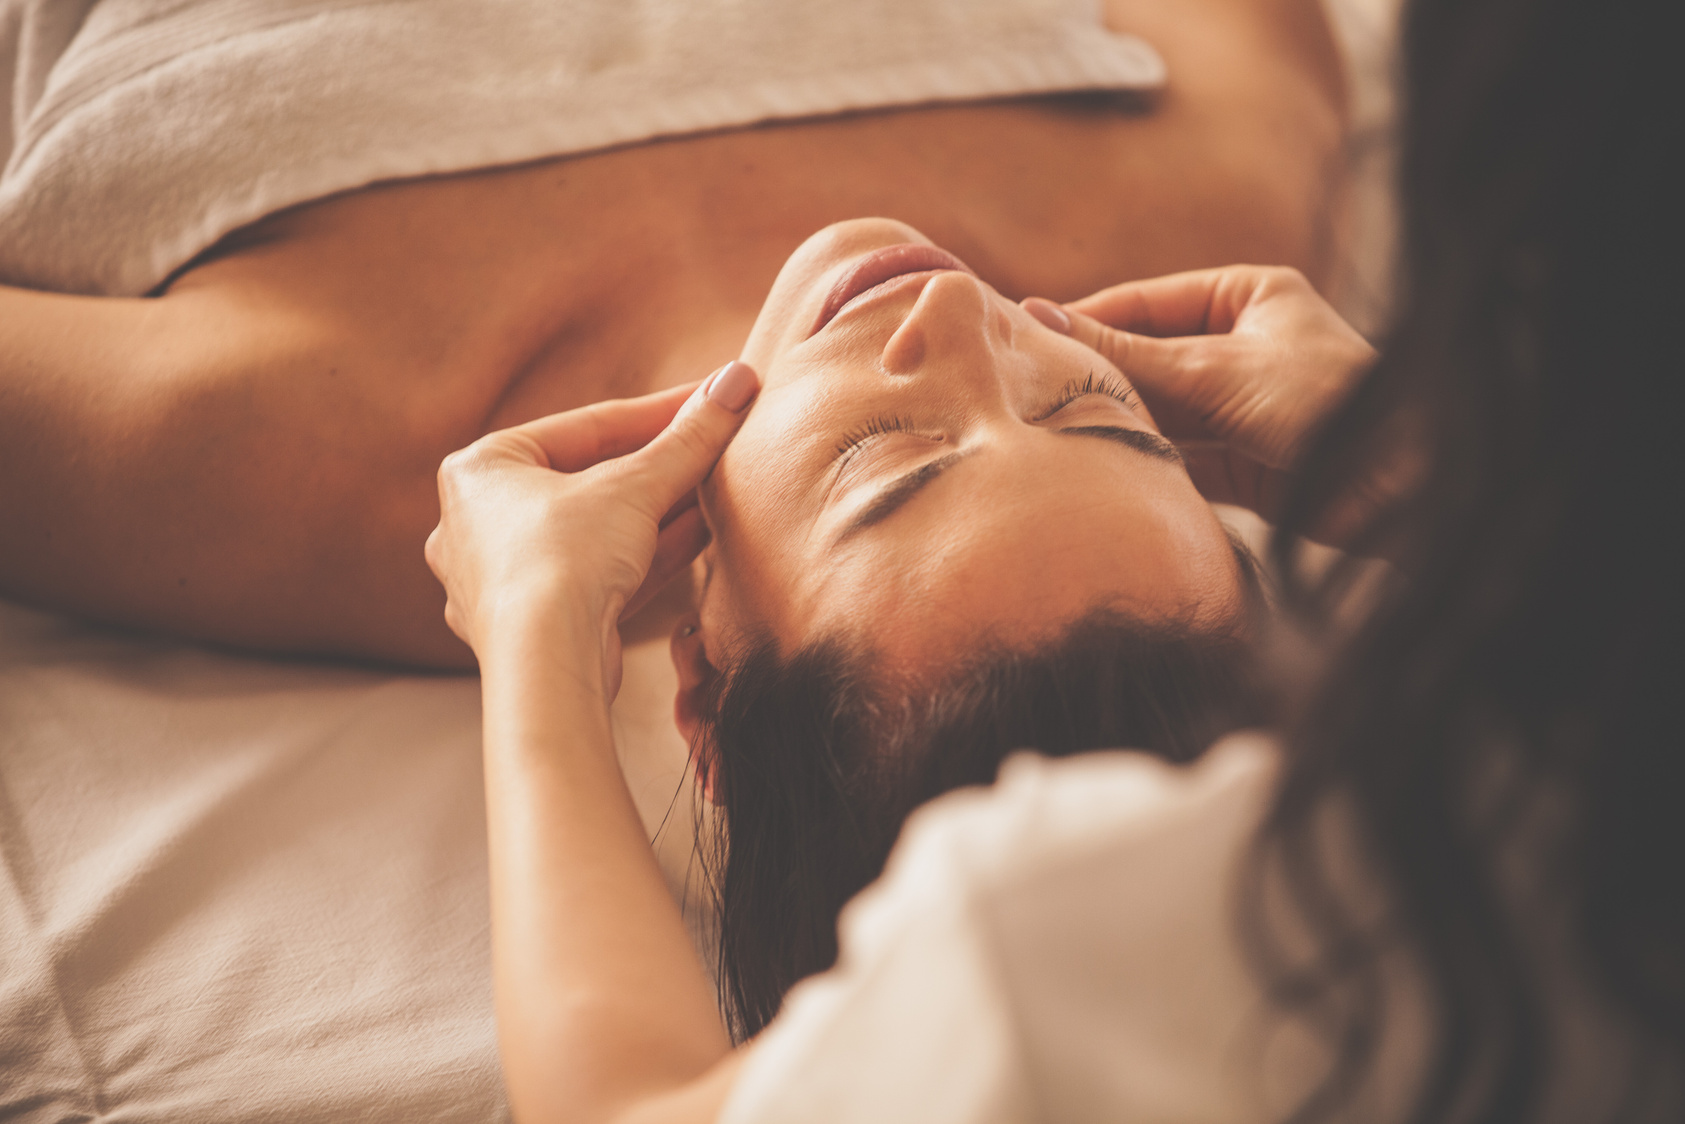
(1096,383)
(877,427)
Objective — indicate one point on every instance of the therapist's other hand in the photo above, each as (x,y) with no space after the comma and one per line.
(1251,356)
(1237,365)
(588,512)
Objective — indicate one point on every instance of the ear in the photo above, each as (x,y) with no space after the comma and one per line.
(696,678)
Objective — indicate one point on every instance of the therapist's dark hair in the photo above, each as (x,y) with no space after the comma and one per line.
(1509,726)
(818,764)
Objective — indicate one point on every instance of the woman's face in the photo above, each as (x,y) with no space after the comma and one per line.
(927,463)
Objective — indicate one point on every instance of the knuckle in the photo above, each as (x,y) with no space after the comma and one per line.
(459,470)
(458,464)
(1198,365)
(1115,346)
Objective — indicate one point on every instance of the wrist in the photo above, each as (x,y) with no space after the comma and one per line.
(552,621)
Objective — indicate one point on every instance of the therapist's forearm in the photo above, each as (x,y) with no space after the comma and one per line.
(604,1011)
(213,470)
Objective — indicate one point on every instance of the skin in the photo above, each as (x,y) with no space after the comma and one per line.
(1036,520)
(248,456)
(551,529)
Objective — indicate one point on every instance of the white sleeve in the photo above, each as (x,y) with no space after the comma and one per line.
(914,1023)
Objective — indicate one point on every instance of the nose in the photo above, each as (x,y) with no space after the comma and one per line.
(953,325)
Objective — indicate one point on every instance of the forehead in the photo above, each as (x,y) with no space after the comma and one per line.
(1005,554)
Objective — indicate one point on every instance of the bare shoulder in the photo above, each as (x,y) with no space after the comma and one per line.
(1292,38)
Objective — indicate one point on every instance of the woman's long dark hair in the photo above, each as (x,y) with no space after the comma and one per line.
(1533,653)
(819,763)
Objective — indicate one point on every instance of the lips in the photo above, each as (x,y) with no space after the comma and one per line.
(879,267)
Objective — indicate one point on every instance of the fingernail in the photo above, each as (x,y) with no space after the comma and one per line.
(1048,313)
(733,386)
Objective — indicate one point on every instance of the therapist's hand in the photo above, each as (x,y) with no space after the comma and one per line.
(1237,365)
(581,517)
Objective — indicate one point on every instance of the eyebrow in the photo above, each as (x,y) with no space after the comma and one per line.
(1140,440)
(894,497)
(897,494)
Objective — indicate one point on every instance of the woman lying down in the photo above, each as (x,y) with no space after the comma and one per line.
(933,525)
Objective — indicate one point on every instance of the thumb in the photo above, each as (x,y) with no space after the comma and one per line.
(681,455)
(1146,360)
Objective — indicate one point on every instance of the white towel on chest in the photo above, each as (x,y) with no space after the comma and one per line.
(141,131)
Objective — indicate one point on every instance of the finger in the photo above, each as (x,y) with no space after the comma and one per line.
(1146,360)
(676,548)
(577,439)
(684,453)
(1200,302)
(1159,369)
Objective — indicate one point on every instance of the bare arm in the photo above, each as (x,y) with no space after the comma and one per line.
(216,465)
(604,1013)
(250,458)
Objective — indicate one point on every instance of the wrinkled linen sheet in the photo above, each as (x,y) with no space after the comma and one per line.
(238,889)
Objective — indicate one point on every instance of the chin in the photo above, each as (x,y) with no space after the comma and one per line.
(851,238)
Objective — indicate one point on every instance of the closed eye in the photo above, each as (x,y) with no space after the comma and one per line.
(1096,382)
(875,428)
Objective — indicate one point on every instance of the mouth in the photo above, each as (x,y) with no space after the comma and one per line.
(880,267)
